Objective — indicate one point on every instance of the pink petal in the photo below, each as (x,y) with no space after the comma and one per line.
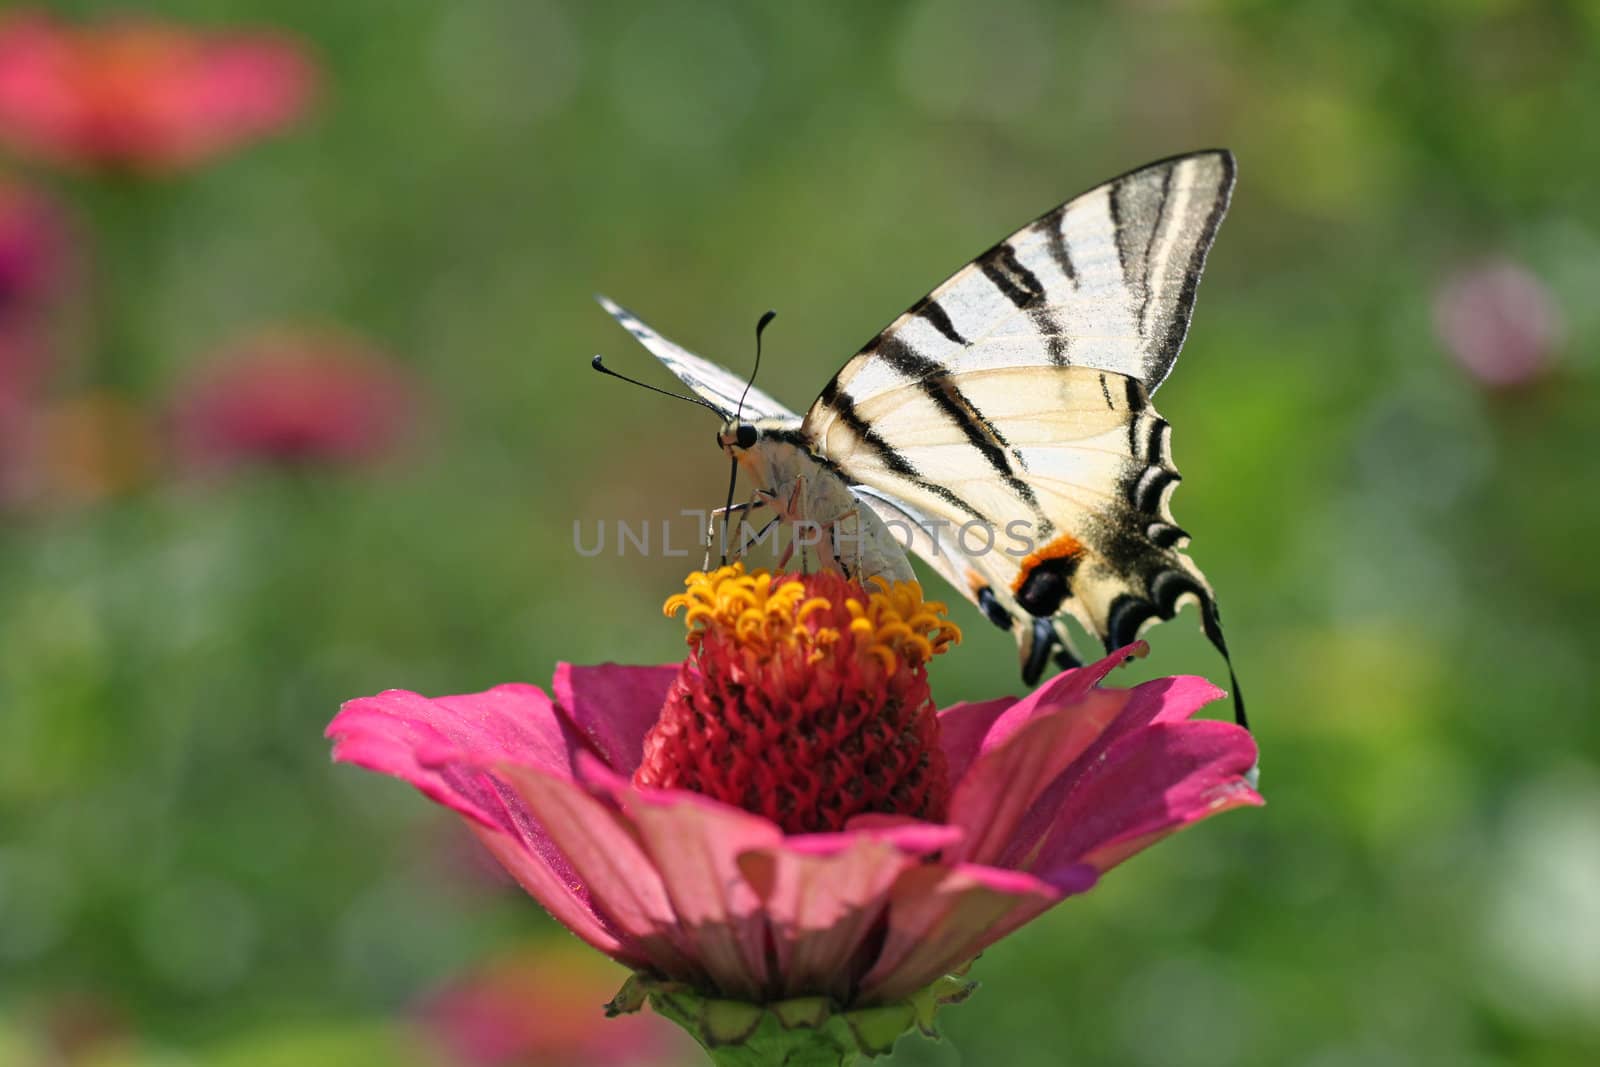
(622,881)
(904,832)
(825,894)
(1161,700)
(694,842)
(941,917)
(614,706)
(447,747)
(1068,687)
(962,728)
(1007,779)
(566,902)
(1151,783)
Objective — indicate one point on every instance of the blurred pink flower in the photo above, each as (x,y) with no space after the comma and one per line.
(538,1007)
(1499,322)
(138,94)
(35,269)
(801,701)
(35,250)
(295,399)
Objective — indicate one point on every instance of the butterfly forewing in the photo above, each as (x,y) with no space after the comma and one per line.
(715,385)
(1107,280)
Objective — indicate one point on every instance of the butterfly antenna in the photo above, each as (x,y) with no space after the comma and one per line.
(761,325)
(598,365)
(738,418)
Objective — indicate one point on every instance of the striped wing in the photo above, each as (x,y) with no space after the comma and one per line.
(946,551)
(715,385)
(1019,390)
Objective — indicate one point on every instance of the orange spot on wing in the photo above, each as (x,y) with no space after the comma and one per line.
(1064,547)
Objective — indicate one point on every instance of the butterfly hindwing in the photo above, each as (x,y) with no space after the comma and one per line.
(976,576)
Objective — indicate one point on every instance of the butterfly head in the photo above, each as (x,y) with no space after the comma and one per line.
(737,436)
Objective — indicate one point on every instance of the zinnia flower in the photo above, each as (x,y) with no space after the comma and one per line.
(780,833)
(1499,322)
(535,1007)
(34,255)
(35,268)
(142,95)
(34,251)
(294,398)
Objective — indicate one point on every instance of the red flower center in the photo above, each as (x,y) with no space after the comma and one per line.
(804,699)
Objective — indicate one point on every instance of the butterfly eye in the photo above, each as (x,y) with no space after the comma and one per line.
(746,436)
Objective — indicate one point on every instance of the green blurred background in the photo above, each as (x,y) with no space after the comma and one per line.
(1402,550)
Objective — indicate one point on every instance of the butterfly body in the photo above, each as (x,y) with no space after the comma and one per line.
(805,490)
(1002,429)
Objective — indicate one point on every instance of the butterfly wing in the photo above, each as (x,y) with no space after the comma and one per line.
(944,549)
(1019,390)
(715,385)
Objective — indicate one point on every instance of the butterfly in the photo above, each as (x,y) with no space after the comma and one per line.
(1002,429)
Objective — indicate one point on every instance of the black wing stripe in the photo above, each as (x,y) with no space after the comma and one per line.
(930,311)
(1183,307)
(839,404)
(1019,284)
(940,388)
(1128,613)
(1056,243)
(1160,441)
(1150,486)
(1144,285)
(1165,534)
(1133,396)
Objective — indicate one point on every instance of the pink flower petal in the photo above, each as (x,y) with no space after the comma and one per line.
(623,882)
(1007,779)
(1068,687)
(962,728)
(1160,700)
(297,397)
(417,739)
(614,706)
(941,917)
(825,894)
(137,93)
(1500,322)
(694,843)
(1150,783)
(902,831)
(566,901)
(447,747)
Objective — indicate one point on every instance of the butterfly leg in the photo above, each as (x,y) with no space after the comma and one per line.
(724,514)
(754,539)
(795,511)
(833,536)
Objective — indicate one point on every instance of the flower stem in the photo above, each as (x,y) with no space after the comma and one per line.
(127,216)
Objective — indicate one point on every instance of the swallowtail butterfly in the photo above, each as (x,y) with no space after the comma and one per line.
(1013,399)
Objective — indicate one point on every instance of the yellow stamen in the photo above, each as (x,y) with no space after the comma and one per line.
(893,625)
